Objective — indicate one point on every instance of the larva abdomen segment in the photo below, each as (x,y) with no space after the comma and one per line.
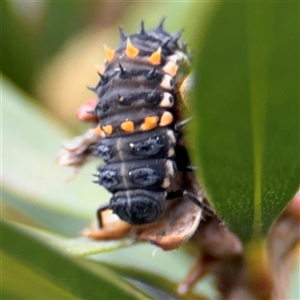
(160,144)
(147,174)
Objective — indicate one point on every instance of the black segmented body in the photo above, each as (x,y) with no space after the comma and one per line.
(138,108)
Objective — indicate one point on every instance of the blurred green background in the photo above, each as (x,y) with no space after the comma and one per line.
(49,50)
(48,53)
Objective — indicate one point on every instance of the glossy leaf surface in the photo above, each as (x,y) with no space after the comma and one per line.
(246,104)
(54,275)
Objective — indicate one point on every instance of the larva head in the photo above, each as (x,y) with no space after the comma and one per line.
(138,207)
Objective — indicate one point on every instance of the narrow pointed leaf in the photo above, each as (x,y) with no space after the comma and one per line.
(47,273)
(245,132)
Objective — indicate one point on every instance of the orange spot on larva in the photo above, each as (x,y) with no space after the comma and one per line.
(127,126)
(108,129)
(155,57)
(110,54)
(98,130)
(131,51)
(149,123)
(166,119)
(170,68)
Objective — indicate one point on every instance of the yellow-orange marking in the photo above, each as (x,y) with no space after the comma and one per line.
(131,51)
(166,119)
(167,100)
(110,54)
(170,68)
(149,123)
(155,57)
(166,183)
(173,58)
(167,82)
(98,131)
(127,126)
(108,129)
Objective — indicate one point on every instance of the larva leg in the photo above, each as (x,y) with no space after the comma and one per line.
(190,196)
(99,213)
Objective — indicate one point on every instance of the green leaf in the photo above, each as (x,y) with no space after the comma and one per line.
(245,132)
(77,247)
(47,273)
